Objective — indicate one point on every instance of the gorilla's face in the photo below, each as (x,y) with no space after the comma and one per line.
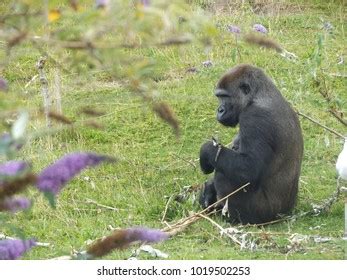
(232,101)
(227,112)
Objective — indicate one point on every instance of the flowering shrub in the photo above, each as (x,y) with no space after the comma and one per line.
(13,249)
(109,28)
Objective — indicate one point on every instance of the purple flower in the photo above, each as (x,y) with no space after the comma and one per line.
(146,3)
(234,29)
(55,176)
(14,204)
(101,3)
(12,249)
(3,84)
(145,235)
(123,238)
(259,28)
(12,168)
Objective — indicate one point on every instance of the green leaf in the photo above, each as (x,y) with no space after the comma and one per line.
(51,199)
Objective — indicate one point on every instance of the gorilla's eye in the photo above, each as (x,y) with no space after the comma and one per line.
(245,88)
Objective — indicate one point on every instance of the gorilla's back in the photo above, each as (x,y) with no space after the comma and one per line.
(283,183)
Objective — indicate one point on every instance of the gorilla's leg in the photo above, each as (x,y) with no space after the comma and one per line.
(208,194)
(254,207)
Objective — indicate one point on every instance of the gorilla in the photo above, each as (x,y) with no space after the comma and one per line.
(267,151)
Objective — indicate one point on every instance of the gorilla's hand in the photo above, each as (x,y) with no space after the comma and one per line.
(208,153)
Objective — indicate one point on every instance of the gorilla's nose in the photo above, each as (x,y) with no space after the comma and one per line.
(221,110)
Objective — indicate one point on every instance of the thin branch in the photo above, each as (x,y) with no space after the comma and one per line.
(166,208)
(47,55)
(223,231)
(81,45)
(44,89)
(183,223)
(90,201)
(57,91)
(268,223)
(31,81)
(222,199)
(17,15)
(338,75)
(324,91)
(321,125)
(185,160)
(338,116)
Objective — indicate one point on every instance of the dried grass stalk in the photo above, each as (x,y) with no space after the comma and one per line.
(263,42)
(164,112)
(182,224)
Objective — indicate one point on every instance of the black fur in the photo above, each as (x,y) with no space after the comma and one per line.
(267,152)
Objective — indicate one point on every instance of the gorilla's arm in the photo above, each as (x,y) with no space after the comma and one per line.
(248,163)
(240,167)
(246,166)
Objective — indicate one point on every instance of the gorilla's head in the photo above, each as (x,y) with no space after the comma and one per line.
(235,92)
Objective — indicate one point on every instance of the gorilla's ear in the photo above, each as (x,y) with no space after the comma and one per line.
(246,89)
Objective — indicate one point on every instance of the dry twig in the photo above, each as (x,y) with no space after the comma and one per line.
(44,89)
(90,201)
(183,223)
(321,125)
(166,208)
(223,231)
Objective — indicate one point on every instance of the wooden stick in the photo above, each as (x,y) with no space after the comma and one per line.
(90,201)
(166,208)
(318,123)
(221,229)
(222,199)
(44,89)
(338,116)
(57,91)
(183,223)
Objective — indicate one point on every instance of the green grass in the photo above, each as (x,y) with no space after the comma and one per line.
(155,165)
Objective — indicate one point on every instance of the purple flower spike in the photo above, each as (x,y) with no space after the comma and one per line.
(3,84)
(234,29)
(259,28)
(54,177)
(101,3)
(15,204)
(145,235)
(146,3)
(12,249)
(123,238)
(11,169)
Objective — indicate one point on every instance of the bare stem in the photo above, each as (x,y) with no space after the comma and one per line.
(183,223)
(57,91)
(321,125)
(221,229)
(44,89)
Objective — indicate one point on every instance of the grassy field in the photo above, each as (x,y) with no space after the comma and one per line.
(155,165)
